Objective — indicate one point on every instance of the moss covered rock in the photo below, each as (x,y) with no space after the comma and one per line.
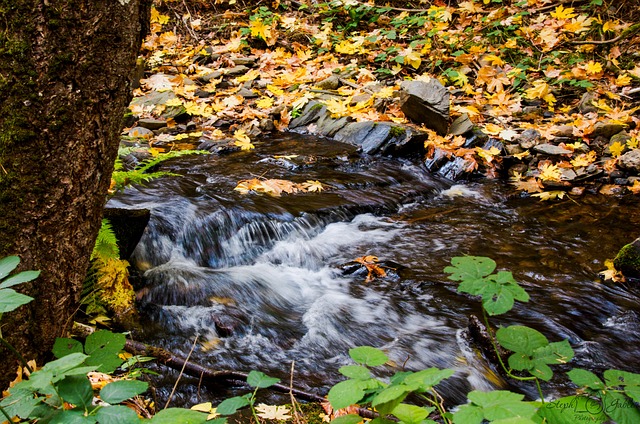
(627,260)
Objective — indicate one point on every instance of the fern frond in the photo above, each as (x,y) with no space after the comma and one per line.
(106,246)
(150,163)
(140,174)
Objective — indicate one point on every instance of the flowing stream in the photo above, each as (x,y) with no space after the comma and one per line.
(261,280)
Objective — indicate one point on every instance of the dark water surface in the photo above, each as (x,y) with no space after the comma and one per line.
(257,277)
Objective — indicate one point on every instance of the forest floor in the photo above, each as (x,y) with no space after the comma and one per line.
(530,74)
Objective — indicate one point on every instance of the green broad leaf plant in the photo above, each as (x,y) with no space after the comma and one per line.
(60,391)
(412,398)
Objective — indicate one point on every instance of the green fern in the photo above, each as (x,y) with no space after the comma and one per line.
(141,174)
(106,246)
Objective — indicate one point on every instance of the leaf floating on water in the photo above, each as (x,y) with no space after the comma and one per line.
(275,187)
(550,195)
(312,186)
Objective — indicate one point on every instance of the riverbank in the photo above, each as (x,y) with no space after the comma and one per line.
(546,96)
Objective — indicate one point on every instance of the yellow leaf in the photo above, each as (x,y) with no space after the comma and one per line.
(584,159)
(275,90)
(385,92)
(593,68)
(249,76)
(202,407)
(242,140)
(563,13)
(609,26)
(487,155)
(469,110)
(494,60)
(616,149)
(539,90)
(312,186)
(550,195)
(174,102)
(412,58)
(635,188)
(522,155)
(346,47)
(632,143)
(493,129)
(549,172)
(623,80)
(260,30)
(158,18)
(264,102)
(337,107)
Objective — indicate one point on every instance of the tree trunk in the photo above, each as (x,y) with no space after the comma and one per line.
(65,74)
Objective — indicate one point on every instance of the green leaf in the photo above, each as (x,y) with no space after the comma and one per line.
(19,278)
(260,380)
(629,381)
(541,370)
(76,389)
(20,403)
(424,380)
(505,278)
(389,394)
(231,405)
(357,372)
(64,364)
(501,404)
(73,416)
(497,299)
(103,348)
(571,410)
(380,420)
(121,390)
(7,265)
(64,346)
(348,419)
(117,414)
(520,362)
(178,416)
(368,355)
(620,408)
(411,414)
(468,414)
(521,339)
(10,300)
(346,393)
(469,268)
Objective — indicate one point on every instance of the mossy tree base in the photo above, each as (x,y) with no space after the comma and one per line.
(65,72)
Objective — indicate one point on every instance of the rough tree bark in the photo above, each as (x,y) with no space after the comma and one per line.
(65,68)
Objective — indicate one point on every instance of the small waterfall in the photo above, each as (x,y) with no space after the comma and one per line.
(260,280)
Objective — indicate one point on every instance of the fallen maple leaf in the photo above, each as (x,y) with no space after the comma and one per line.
(312,186)
(242,140)
(563,13)
(550,195)
(531,185)
(616,149)
(273,412)
(549,172)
